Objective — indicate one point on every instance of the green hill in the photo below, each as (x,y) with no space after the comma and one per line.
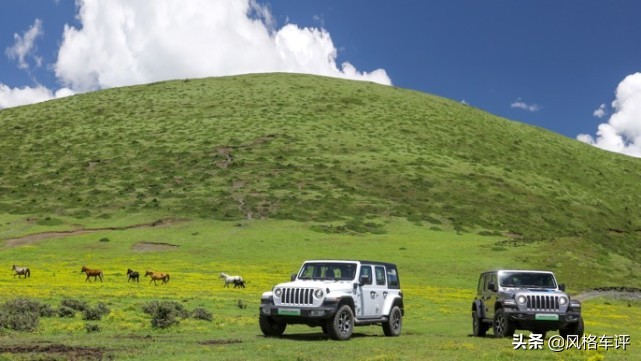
(343,154)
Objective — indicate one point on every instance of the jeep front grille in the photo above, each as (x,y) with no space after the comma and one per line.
(543,303)
(297,296)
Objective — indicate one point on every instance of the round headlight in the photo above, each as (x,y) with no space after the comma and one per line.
(521,299)
(318,293)
(278,292)
(563,301)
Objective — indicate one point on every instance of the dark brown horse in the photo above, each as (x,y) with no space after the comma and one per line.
(132,275)
(95,273)
(157,276)
(21,271)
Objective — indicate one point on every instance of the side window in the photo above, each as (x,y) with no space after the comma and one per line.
(493,280)
(392,277)
(366,271)
(380,275)
(481,286)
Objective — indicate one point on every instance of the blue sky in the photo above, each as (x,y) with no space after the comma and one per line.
(548,63)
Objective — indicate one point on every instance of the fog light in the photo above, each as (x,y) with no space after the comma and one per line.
(316,312)
(265,310)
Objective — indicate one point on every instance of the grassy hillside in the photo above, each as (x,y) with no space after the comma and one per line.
(301,147)
(253,174)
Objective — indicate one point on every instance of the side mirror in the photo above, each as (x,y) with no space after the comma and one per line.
(293,277)
(364,279)
(492,286)
(562,287)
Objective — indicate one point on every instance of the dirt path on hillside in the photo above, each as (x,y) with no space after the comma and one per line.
(619,293)
(36,237)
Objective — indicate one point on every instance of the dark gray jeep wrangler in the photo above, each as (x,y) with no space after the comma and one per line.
(507,300)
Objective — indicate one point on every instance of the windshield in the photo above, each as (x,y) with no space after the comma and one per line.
(527,280)
(327,271)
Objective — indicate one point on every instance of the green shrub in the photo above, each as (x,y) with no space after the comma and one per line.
(202,314)
(20,314)
(96,313)
(65,311)
(165,313)
(74,304)
(91,327)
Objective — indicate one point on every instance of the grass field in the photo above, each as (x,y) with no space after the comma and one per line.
(254,174)
(439,270)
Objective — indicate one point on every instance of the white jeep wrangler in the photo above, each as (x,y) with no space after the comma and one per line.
(336,295)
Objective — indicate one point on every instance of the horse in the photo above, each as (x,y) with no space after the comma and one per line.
(132,275)
(155,276)
(21,271)
(236,280)
(239,283)
(95,273)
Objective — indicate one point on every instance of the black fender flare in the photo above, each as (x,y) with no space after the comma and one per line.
(478,308)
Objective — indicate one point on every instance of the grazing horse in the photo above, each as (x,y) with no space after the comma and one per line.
(236,280)
(155,276)
(132,275)
(21,271)
(95,273)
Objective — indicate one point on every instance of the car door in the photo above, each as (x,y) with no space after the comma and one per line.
(366,292)
(489,296)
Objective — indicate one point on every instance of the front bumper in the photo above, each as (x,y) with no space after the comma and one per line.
(295,314)
(542,320)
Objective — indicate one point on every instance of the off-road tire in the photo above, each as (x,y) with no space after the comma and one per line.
(479,328)
(502,326)
(341,325)
(394,323)
(573,329)
(270,327)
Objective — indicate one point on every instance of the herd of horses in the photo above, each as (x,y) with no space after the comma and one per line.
(96,273)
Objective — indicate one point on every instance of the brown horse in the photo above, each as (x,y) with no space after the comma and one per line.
(21,271)
(95,273)
(156,276)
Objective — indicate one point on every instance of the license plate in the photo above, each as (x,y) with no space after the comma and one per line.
(546,317)
(289,311)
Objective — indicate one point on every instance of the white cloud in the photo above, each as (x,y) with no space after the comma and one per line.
(125,42)
(13,97)
(520,104)
(622,132)
(600,112)
(24,46)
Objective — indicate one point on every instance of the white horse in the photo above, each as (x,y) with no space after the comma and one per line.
(21,271)
(236,280)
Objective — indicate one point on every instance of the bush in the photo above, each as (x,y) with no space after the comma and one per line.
(24,305)
(202,314)
(65,311)
(95,314)
(74,304)
(92,327)
(164,314)
(20,314)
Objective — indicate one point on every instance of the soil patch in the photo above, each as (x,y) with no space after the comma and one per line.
(58,350)
(153,246)
(219,342)
(33,238)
